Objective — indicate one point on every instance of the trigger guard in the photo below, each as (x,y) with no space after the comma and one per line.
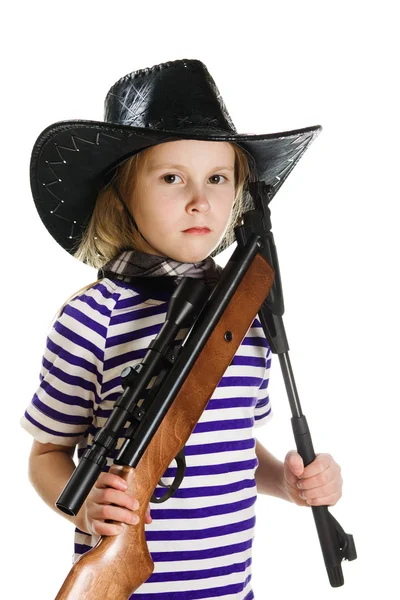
(180,473)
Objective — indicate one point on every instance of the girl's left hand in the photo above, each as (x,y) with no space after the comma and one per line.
(317,484)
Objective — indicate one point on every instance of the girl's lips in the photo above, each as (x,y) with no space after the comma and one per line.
(197,230)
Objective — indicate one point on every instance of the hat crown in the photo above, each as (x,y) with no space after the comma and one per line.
(175,95)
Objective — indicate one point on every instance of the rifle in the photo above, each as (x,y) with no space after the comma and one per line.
(160,426)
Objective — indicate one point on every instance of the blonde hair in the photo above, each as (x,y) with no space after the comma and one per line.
(110,231)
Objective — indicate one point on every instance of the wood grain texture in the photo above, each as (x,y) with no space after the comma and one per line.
(118,565)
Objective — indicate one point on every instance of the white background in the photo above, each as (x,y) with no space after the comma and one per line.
(279,66)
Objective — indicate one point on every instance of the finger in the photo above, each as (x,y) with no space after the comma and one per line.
(318,492)
(108,512)
(148,518)
(111,480)
(332,473)
(102,528)
(330,500)
(111,496)
(320,463)
(317,480)
(290,477)
(294,463)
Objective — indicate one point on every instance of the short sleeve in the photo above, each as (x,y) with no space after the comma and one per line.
(262,410)
(61,409)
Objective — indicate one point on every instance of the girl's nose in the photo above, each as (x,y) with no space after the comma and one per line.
(198,203)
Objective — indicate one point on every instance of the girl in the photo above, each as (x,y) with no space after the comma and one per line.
(148,197)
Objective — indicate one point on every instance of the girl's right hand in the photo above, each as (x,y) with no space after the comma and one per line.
(108,500)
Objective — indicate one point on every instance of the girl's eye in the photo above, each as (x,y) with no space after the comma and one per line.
(217,176)
(169,175)
(174,175)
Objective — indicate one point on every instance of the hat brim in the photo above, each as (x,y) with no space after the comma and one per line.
(71,160)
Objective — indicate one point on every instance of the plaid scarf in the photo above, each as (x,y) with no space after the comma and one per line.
(132,263)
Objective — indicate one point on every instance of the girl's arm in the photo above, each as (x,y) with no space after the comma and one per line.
(318,484)
(270,474)
(50,467)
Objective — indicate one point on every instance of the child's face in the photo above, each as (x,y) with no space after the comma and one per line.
(170,200)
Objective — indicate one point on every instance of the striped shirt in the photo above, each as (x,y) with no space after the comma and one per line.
(200,539)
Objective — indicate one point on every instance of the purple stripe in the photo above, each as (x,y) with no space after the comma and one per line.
(227,467)
(129,302)
(204,449)
(228,424)
(223,425)
(231,467)
(122,359)
(212,404)
(199,534)
(79,340)
(46,364)
(259,417)
(240,381)
(255,341)
(110,397)
(51,431)
(82,548)
(200,513)
(72,359)
(213,448)
(248,361)
(64,398)
(72,380)
(102,309)
(264,384)
(105,292)
(154,329)
(200,574)
(231,446)
(238,402)
(59,416)
(262,403)
(216,592)
(140,313)
(209,491)
(82,318)
(134,334)
(201,554)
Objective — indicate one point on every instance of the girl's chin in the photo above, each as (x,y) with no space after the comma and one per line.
(188,257)
(188,254)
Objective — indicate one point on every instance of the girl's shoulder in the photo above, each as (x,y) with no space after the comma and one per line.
(99,301)
(111,294)
(110,290)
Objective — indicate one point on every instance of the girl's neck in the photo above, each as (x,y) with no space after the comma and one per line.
(133,263)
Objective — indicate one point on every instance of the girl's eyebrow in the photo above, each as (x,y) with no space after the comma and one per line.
(183,168)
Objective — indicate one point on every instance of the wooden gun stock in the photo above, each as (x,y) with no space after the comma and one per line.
(119,564)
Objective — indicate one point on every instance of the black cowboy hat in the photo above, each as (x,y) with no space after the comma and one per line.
(72,160)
